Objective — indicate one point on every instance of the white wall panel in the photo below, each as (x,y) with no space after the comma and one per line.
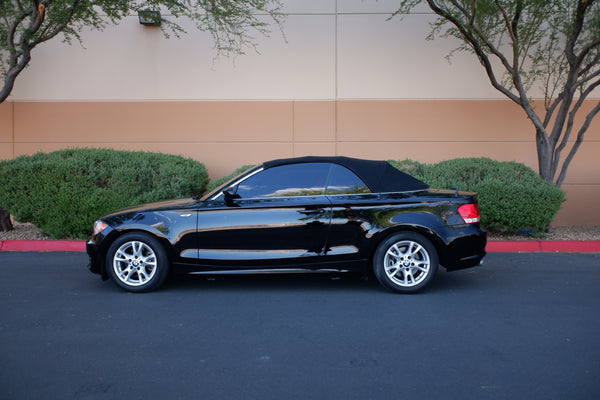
(391,59)
(374,6)
(133,62)
(117,61)
(309,6)
(302,68)
(355,54)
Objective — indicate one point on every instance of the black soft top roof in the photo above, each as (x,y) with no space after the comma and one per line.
(379,176)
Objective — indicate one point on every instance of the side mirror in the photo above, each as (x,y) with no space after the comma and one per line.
(230,197)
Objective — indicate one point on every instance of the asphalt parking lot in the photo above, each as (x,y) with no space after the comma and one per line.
(521,326)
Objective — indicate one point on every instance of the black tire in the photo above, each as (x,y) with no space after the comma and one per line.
(405,262)
(137,262)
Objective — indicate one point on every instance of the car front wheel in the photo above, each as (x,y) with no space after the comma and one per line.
(405,262)
(137,262)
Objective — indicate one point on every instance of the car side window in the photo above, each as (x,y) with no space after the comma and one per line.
(304,179)
(344,181)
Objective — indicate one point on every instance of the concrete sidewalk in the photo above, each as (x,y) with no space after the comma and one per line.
(492,246)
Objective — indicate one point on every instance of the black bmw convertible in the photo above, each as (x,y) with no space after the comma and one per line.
(309,214)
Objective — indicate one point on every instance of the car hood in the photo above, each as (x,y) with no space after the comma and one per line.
(160,206)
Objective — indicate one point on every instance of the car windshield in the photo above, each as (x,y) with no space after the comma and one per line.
(225,185)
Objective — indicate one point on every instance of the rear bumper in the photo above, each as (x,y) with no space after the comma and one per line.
(468,262)
(465,252)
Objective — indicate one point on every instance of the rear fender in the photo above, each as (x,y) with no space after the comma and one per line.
(433,236)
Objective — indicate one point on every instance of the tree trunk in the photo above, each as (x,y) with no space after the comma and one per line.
(544,152)
(5,223)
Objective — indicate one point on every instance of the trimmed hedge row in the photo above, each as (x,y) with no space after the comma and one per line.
(511,196)
(64,192)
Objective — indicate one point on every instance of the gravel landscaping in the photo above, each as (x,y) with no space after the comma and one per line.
(31,232)
(556,233)
(24,232)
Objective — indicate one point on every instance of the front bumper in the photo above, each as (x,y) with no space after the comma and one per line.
(96,249)
(96,264)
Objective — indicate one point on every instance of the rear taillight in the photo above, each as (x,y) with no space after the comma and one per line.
(469,213)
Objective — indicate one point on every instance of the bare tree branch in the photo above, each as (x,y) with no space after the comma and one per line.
(591,64)
(553,44)
(480,53)
(571,122)
(59,28)
(578,142)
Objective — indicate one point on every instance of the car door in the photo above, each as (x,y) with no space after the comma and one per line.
(353,208)
(277,217)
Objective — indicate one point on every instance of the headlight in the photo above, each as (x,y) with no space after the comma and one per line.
(99,226)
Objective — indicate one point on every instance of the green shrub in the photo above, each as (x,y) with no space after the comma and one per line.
(65,191)
(511,195)
(218,182)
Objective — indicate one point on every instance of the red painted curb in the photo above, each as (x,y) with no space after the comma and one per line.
(544,246)
(492,246)
(42,245)
(508,247)
(568,245)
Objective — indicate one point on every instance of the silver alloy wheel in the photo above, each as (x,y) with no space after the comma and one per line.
(407,263)
(134,263)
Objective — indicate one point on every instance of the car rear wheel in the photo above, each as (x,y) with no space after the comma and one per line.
(405,262)
(137,262)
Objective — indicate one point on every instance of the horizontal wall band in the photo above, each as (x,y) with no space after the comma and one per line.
(255,131)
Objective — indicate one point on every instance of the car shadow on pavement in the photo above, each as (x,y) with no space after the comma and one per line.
(352,282)
(271,282)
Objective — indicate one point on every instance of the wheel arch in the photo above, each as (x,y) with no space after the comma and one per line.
(427,233)
(117,233)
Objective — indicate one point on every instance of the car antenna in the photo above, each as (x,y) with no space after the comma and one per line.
(457,189)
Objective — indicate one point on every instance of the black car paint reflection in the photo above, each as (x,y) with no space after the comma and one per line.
(289,229)
(296,230)
(333,229)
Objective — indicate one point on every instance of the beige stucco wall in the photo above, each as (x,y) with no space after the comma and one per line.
(344,49)
(344,80)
